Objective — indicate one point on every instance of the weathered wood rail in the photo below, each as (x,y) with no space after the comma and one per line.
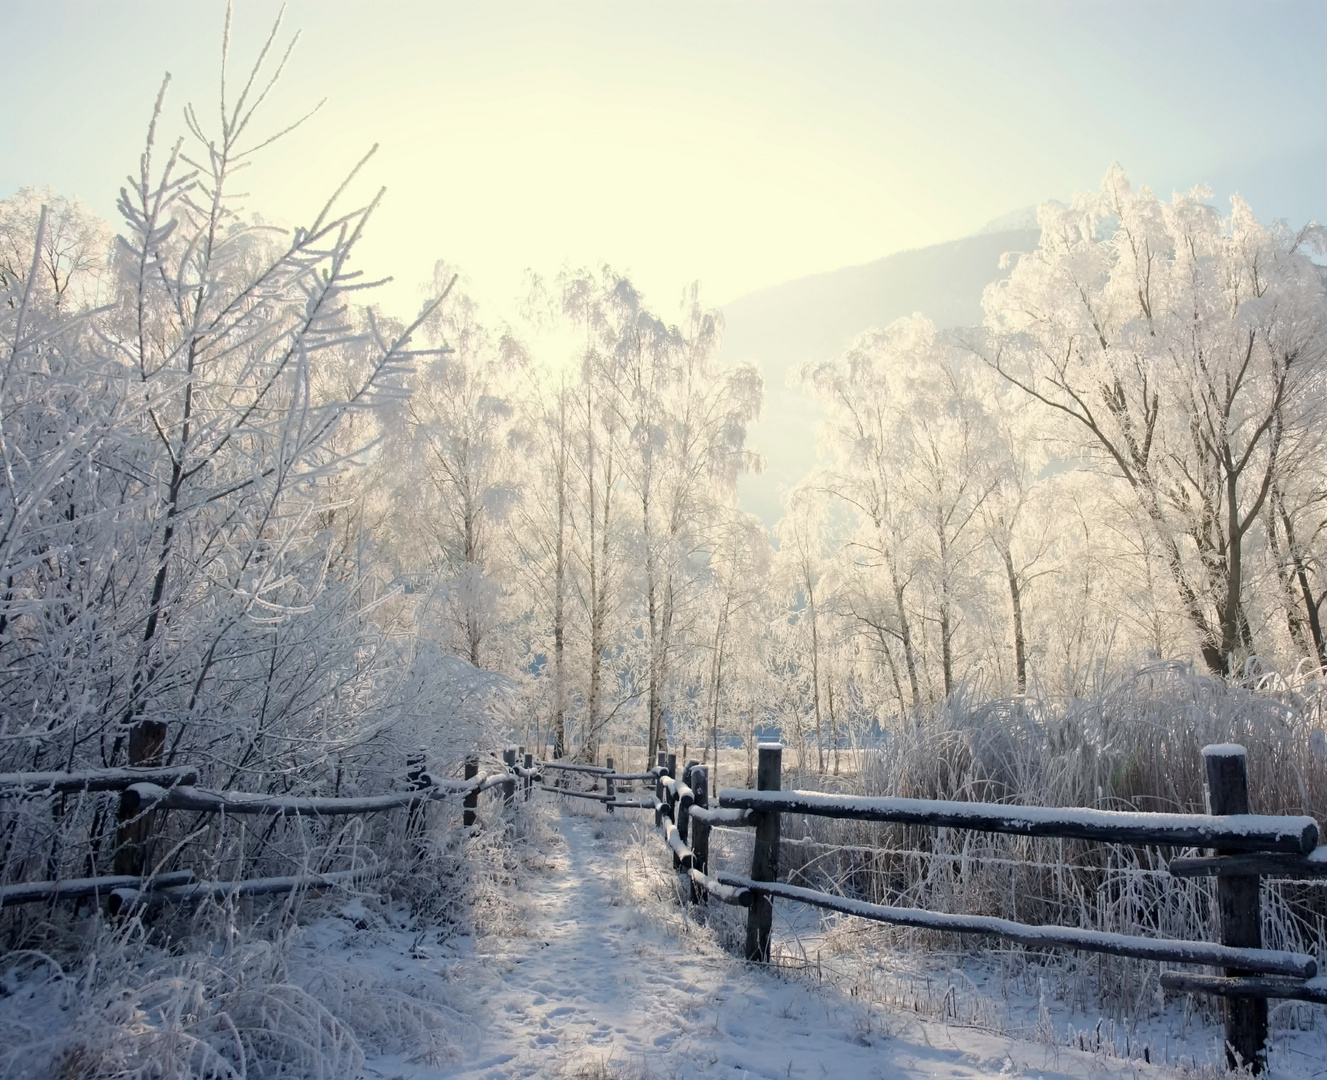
(1245,846)
(146,793)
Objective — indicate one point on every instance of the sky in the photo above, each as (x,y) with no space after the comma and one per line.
(738,144)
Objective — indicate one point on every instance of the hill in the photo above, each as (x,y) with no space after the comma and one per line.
(816,318)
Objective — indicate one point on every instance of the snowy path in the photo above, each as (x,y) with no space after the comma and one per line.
(604,988)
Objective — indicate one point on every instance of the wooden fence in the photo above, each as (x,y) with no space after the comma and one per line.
(147,793)
(1245,847)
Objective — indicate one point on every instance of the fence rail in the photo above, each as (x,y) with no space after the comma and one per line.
(142,797)
(35,892)
(1246,832)
(34,784)
(1273,962)
(146,792)
(1245,847)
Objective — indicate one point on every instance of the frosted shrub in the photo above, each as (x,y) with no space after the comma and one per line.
(1136,746)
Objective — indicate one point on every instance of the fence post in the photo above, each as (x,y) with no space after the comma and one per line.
(471,801)
(529,781)
(700,831)
(687,801)
(660,793)
(134,827)
(610,785)
(1239,909)
(509,787)
(765,854)
(681,814)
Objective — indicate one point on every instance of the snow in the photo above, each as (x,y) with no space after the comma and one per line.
(604,975)
(673,839)
(1224,750)
(717,816)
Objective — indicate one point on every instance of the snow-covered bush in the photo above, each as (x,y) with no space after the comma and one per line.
(187,420)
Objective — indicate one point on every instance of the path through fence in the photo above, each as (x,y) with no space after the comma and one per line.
(1243,846)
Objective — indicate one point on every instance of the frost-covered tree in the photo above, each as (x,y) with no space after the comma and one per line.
(739,564)
(72,259)
(456,439)
(913,457)
(1185,353)
(186,565)
(686,420)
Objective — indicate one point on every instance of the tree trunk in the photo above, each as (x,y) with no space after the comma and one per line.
(1312,604)
(946,630)
(1016,601)
(893,669)
(905,636)
(833,725)
(560,592)
(1233,626)
(815,672)
(665,643)
(599,620)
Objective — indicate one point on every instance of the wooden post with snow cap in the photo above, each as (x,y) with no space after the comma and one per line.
(700,831)
(471,801)
(610,785)
(764,854)
(1239,909)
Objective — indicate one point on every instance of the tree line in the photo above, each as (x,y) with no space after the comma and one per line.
(245,509)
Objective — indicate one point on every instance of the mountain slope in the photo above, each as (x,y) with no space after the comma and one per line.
(816,318)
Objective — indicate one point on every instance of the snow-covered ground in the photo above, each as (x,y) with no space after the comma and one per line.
(593,971)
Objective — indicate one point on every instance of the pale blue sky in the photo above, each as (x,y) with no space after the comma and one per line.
(739,143)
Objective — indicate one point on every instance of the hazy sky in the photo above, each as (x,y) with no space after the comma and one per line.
(742,144)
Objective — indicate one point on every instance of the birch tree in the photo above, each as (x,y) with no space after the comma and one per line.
(459,431)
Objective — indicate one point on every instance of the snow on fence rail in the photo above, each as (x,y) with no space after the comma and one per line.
(1272,961)
(33,784)
(35,892)
(143,797)
(129,898)
(1247,847)
(146,791)
(1251,832)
